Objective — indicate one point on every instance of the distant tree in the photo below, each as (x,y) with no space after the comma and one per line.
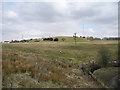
(50,39)
(90,38)
(63,39)
(47,39)
(44,39)
(24,40)
(12,41)
(31,39)
(111,38)
(56,39)
(103,56)
(97,39)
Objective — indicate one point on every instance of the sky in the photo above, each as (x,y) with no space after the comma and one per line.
(26,20)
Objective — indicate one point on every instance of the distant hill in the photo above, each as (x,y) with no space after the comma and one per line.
(70,39)
(60,39)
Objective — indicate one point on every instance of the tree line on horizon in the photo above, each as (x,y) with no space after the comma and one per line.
(90,38)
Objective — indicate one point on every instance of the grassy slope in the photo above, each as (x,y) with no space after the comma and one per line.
(106,74)
(67,39)
(65,55)
(71,39)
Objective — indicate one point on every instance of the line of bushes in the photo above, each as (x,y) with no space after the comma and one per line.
(50,39)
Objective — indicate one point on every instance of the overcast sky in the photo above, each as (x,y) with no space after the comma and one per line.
(44,19)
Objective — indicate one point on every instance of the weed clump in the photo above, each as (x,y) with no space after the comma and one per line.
(103,57)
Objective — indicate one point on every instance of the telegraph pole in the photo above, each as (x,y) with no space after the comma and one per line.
(75,37)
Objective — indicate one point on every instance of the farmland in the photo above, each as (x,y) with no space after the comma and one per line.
(51,64)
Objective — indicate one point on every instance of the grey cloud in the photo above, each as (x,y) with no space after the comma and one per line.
(59,18)
(42,12)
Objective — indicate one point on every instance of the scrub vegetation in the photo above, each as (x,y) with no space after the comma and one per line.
(52,64)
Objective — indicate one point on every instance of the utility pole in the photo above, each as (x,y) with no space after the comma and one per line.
(75,37)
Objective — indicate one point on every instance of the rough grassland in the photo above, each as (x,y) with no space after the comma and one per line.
(50,64)
(107,75)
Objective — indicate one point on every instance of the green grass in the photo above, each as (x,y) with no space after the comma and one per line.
(56,57)
(71,39)
(63,50)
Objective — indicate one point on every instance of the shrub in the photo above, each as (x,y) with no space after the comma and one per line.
(63,39)
(56,39)
(103,57)
(47,39)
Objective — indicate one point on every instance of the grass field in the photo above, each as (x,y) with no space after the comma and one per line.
(51,64)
